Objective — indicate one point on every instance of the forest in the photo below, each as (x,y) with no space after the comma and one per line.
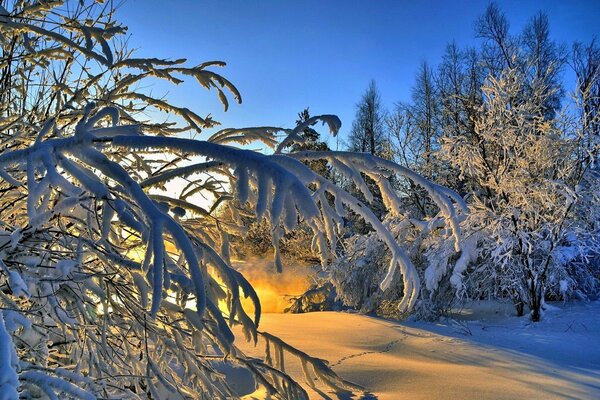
(130,222)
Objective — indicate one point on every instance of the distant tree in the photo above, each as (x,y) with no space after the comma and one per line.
(399,124)
(586,65)
(459,81)
(367,134)
(451,83)
(425,114)
(539,57)
(499,49)
(311,136)
(416,129)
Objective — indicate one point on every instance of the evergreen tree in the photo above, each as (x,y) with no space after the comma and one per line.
(312,141)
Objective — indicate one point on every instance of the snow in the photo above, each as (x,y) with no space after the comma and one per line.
(17,285)
(65,267)
(49,384)
(9,381)
(485,352)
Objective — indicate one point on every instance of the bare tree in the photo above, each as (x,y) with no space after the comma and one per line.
(544,60)
(425,113)
(368,127)
(499,48)
(586,64)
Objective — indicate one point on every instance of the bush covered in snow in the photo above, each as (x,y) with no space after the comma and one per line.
(430,245)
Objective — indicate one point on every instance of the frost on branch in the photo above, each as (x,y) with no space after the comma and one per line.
(361,250)
(534,204)
(111,286)
(9,380)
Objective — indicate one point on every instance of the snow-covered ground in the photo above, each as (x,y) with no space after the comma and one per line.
(485,352)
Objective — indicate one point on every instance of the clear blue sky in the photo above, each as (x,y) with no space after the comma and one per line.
(286,55)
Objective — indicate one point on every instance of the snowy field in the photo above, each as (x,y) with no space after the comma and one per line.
(483,353)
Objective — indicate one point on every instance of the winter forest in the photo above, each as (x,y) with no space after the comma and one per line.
(447,246)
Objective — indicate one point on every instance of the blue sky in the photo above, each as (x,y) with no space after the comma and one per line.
(286,55)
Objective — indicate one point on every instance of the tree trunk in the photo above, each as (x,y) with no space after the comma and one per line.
(520,307)
(536,293)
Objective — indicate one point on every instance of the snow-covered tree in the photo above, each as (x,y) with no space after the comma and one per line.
(112,287)
(357,272)
(526,181)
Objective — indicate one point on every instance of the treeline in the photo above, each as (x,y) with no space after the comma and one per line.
(447,98)
(498,124)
